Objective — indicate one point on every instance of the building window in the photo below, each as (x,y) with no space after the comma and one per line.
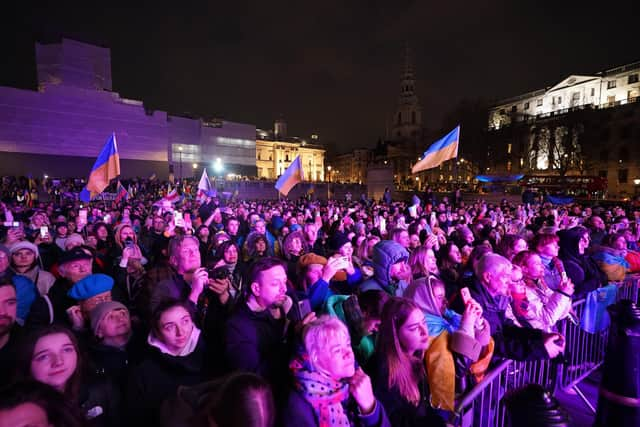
(633,78)
(509,166)
(526,105)
(508,148)
(623,176)
(593,91)
(413,117)
(611,84)
(539,103)
(501,111)
(514,108)
(559,100)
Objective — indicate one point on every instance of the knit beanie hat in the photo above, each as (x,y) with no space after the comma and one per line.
(337,240)
(100,311)
(24,244)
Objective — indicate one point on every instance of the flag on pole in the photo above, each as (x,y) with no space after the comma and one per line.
(293,175)
(172,196)
(440,151)
(204,187)
(121,193)
(106,167)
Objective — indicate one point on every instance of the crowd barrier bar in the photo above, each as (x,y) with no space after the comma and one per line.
(584,353)
(628,289)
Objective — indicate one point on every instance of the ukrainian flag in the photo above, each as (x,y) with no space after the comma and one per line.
(293,175)
(106,167)
(440,151)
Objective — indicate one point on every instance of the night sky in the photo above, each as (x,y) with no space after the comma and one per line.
(330,67)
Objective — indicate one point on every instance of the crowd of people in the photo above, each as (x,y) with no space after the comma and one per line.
(294,313)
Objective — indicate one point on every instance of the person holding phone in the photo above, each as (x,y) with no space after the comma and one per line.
(348,275)
(328,387)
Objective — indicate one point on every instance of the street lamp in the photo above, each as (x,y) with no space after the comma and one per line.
(180,150)
(329,169)
(217,166)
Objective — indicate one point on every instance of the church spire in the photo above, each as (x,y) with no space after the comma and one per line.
(407,121)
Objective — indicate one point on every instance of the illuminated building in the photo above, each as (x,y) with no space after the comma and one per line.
(583,125)
(60,128)
(275,152)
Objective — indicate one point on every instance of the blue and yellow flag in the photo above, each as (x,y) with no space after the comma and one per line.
(106,167)
(440,151)
(293,175)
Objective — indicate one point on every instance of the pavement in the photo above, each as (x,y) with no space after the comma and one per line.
(581,415)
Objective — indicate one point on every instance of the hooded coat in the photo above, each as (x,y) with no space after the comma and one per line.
(385,254)
(581,269)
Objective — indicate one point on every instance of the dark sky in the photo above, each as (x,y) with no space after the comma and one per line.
(330,67)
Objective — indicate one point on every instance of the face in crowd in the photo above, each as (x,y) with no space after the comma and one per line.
(54,360)
(77,270)
(8,309)
(400,271)
(174,328)
(413,334)
(232,227)
(187,260)
(270,289)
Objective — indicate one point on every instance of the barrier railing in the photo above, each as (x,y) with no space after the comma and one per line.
(628,289)
(482,405)
(584,353)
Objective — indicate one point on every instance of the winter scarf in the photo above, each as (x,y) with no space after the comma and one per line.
(323,393)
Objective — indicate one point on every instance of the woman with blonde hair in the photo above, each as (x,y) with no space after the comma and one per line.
(423,263)
(328,388)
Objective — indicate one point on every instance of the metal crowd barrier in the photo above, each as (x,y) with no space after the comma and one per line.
(584,353)
(482,406)
(628,289)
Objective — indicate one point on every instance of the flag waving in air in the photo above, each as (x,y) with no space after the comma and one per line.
(106,167)
(293,175)
(440,151)
(121,193)
(204,187)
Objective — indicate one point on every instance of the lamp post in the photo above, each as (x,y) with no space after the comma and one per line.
(329,183)
(180,150)
(195,167)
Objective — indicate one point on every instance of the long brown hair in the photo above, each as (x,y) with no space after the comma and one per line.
(25,356)
(404,370)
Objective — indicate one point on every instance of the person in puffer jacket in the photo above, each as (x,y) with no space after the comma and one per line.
(611,257)
(391,272)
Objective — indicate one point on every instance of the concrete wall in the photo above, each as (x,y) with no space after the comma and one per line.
(24,164)
(78,122)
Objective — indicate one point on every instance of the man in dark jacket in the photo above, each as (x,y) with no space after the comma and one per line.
(255,334)
(491,292)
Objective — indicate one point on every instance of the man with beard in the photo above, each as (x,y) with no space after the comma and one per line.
(255,333)
(9,329)
(188,279)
